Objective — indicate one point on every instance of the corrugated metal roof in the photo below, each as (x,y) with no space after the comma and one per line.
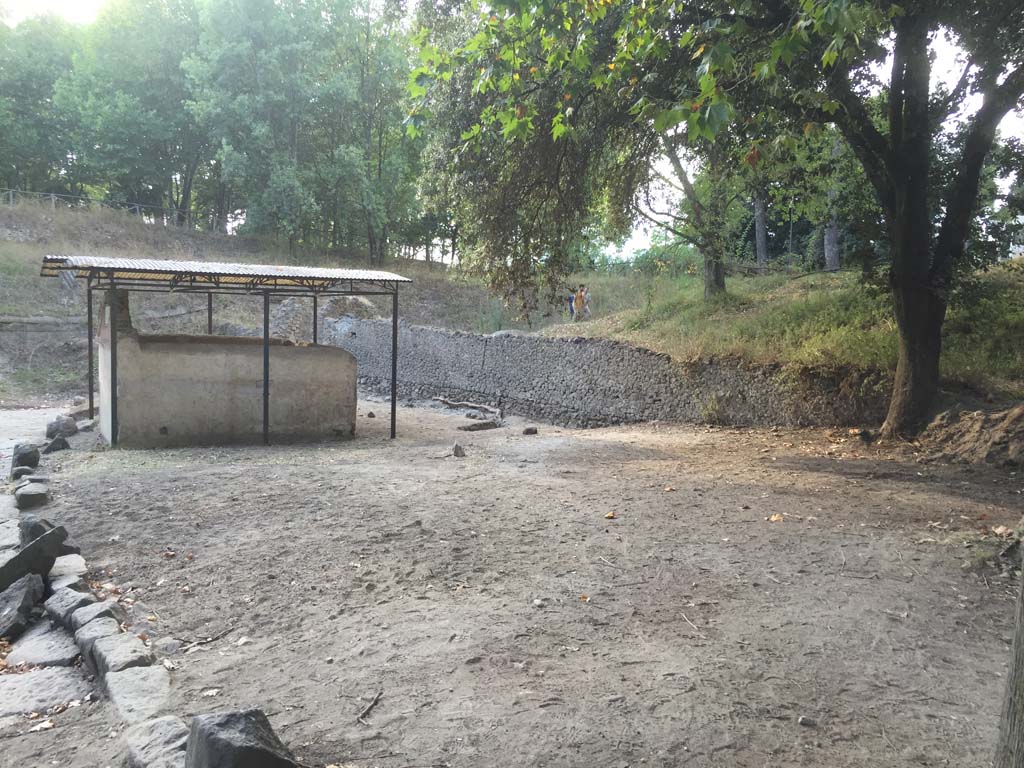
(209,272)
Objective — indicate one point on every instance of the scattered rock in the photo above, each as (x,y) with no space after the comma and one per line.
(236,740)
(57,444)
(107,609)
(10,535)
(38,556)
(24,455)
(157,743)
(139,693)
(478,426)
(87,636)
(44,645)
(86,425)
(40,689)
(119,652)
(809,722)
(62,426)
(371,415)
(19,472)
(167,646)
(458,451)
(64,602)
(474,415)
(530,431)
(32,495)
(16,604)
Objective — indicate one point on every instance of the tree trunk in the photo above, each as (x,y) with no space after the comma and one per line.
(714,276)
(832,244)
(1010,748)
(920,313)
(761,229)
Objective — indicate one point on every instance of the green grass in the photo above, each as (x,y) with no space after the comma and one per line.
(826,320)
(819,320)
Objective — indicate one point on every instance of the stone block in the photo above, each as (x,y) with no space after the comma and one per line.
(16,604)
(236,740)
(33,526)
(63,603)
(68,565)
(109,609)
(138,693)
(37,556)
(10,536)
(24,455)
(44,645)
(57,444)
(40,689)
(157,743)
(119,652)
(87,636)
(63,426)
(32,495)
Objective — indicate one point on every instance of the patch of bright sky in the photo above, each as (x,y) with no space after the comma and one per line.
(76,11)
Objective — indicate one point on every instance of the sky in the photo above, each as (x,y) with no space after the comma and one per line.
(77,11)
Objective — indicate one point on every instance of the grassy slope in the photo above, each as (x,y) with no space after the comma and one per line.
(817,320)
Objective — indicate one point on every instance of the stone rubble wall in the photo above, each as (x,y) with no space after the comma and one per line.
(595,382)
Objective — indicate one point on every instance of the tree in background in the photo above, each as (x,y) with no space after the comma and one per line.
(699,64)
(35,154)
(124,102)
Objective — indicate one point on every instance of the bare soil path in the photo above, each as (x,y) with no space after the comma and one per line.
(747,579)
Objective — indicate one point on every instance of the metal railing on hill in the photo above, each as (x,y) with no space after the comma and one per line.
(152,214)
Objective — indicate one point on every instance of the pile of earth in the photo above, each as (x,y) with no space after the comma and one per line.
(970,437)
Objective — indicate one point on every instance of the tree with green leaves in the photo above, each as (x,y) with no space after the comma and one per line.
(708,66)
(34,149)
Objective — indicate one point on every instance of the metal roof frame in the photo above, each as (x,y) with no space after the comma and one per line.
(159,275)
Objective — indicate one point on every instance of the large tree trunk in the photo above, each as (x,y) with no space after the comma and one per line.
(714,276)
(920,312)
(761,229)
(1010,749)
(832,244)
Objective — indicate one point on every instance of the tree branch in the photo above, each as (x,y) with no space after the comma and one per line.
(962,194)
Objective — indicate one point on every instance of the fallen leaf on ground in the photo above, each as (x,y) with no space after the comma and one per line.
(610,516)
(776,518)
(584,598)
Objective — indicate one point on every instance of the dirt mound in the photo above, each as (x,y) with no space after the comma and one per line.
(974,437)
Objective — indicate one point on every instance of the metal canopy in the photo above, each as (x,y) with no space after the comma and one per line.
(102,274)
(209,276)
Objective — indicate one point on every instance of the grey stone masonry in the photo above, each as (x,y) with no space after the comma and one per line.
(63,603)
(37,556)
(16,604)
(139,693)
(119,652)
(90,633)
(32,495)
(157,743)
(594,382)
(40,689)
(44,645)
(110,609)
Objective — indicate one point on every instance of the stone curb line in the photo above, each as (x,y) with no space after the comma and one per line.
(34,555)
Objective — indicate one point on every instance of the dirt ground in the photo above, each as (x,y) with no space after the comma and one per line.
(748,579)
